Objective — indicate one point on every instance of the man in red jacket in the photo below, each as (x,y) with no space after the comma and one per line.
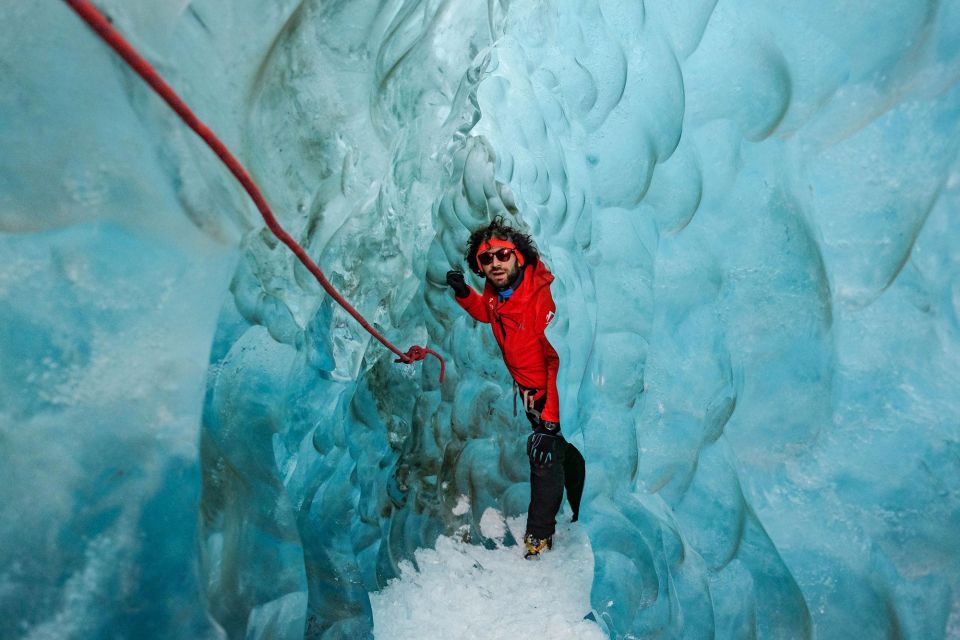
(516,301)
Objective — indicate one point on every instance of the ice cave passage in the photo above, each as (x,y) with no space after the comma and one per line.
(751,211)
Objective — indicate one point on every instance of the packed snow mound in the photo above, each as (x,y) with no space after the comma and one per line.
(461,590)
(750,209)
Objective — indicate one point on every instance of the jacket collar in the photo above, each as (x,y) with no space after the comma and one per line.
(505,294)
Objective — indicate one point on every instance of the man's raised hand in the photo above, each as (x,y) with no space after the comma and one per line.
(457,283)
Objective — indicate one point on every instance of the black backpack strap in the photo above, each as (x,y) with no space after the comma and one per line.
(574,474)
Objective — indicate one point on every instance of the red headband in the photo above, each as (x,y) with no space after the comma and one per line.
(503,244)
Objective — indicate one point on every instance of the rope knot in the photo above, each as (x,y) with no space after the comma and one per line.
(415,354)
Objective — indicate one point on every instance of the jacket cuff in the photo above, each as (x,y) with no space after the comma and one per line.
(551,426)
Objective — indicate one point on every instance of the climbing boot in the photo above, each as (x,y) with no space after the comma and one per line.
(536,545)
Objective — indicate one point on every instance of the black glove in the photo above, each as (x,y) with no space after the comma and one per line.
(542,444)
(456,282)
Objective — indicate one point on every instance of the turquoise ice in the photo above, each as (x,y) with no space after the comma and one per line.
(751,209)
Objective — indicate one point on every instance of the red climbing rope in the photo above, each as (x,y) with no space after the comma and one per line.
(92,16)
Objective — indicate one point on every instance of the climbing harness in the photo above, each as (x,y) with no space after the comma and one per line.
(530,398)
(102,26)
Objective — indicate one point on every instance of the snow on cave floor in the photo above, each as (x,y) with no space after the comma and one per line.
(467,591)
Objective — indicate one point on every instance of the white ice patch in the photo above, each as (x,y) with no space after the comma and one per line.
(466,591)
(492,524)
(463,505)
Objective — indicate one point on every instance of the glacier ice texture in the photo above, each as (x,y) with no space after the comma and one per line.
(750,207)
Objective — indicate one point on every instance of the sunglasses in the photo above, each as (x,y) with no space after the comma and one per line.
(502,255)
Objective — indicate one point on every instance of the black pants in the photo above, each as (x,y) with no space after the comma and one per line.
(546,483)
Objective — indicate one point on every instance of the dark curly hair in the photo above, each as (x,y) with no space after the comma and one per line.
(501,230)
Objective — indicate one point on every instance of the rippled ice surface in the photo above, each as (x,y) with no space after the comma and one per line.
(750,208)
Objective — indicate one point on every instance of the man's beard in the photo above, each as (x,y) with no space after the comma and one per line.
(511,280)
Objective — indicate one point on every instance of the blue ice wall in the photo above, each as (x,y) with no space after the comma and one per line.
(751,211)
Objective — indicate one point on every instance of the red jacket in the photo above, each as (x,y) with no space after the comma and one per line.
(518,325)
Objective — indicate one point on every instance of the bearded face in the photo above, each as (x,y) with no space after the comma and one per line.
(500,266)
